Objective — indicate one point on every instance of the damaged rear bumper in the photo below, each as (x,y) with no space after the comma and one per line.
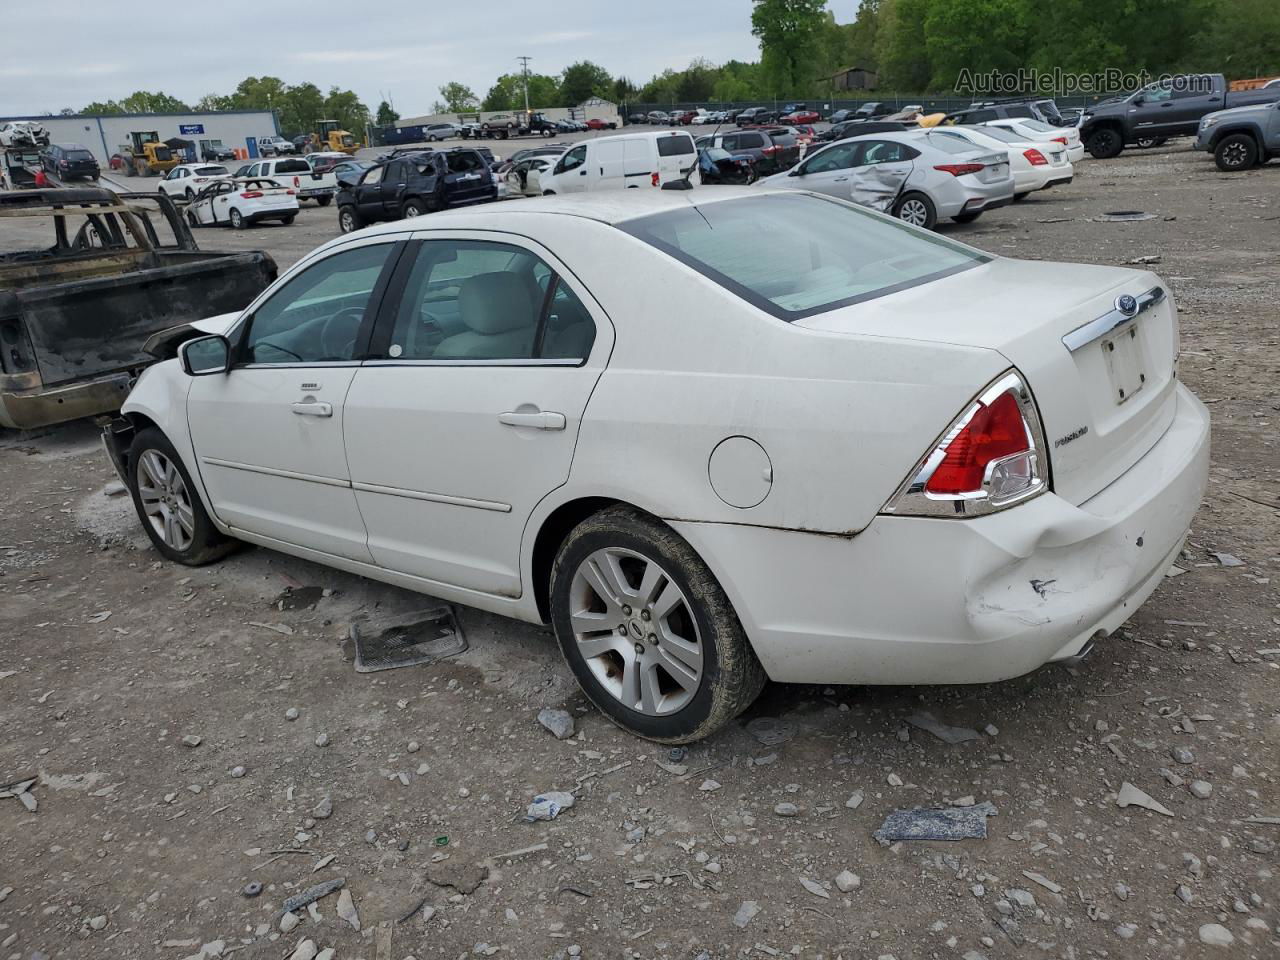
(922,600)
(28,409)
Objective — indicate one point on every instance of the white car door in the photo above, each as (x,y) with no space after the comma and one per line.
(880,173)
(571,172)
(471,419)
(268,434)
(829,171)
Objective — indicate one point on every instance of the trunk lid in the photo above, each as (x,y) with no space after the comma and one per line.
(1105,397)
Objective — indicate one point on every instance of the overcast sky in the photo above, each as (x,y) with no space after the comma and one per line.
(103,51)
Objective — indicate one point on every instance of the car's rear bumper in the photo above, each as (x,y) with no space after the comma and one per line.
(923,600)
(28,409)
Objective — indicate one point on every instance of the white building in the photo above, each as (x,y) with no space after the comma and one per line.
(593,109)
(104,135)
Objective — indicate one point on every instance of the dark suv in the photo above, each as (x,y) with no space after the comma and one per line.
(69,161)
(1044,110)
(413,184)
(754,116)
(771,151)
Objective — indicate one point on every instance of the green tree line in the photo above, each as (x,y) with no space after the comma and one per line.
(299,106)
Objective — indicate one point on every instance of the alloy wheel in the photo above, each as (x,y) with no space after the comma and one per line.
(165,500)
(1235,155)
(636,632)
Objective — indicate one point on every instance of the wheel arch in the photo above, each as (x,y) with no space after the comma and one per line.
(1248,129)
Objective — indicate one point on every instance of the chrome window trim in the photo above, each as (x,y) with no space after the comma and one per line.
(1111,320)
(514,362)
(911,498)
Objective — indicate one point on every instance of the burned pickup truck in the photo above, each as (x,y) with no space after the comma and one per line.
(75,315)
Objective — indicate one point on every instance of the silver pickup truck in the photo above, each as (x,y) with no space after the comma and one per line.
(1242,137)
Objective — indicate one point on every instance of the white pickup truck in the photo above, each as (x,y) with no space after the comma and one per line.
(296,173)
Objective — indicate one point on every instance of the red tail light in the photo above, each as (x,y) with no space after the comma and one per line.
(291,192)
(993,433)
(1061,140)
(296,182)
(251,194)
(959,169)
(1035,156)
(771,150)
(988,459)
(653,179)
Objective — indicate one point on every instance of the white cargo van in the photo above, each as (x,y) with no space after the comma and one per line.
(627,160)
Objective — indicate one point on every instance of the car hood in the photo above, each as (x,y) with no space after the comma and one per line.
(1238,111)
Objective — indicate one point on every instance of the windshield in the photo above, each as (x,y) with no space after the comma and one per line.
(823,253)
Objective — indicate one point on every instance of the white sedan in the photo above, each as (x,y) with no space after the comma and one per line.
(188,179)
(859,453)
(1035,165)
(1037,131)
(242,203)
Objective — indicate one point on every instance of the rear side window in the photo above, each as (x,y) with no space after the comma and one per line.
(948,144)
(466,162)
(677,146)
(823,254)
(979,116)
(292,166)
(750,140)
(1021,110)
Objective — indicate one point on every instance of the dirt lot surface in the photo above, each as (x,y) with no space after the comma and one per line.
(113,663)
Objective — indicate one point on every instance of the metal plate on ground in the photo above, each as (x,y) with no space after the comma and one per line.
(407,641)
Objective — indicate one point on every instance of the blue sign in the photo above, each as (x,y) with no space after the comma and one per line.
(187,129)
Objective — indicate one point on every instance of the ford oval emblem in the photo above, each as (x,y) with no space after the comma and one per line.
(1127,304)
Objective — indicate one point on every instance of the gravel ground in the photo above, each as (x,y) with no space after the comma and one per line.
(151,705)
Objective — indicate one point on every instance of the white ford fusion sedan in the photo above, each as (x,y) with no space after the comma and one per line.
(711,437)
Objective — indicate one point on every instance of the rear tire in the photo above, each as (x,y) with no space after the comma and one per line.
(237,219)
(689,628)
(917,209)
(1105,143)
(178,524)
(324,201)
(1019,197)
(411,208)
(288,220)
(1236,152)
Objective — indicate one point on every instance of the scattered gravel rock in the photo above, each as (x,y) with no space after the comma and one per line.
(1183,755)
(291,713)
(1200,789)
(1216,935)
(786,810)
(323,810)
(847,881)
(191,740)
(559,722)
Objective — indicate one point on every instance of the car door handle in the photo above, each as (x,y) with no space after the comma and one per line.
(542,420)
(314,408)
(840,179)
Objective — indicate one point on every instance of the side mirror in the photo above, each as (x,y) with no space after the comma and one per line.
(205,356)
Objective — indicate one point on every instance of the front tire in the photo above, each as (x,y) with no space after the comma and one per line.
(348,220)
(916,209)
(1236,152)
(684,668)
(1105,143)
(167,503)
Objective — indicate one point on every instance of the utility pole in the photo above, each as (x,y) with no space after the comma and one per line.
(524,61)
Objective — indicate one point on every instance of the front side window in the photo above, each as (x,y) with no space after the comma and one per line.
(823,254)
(839,157)
(573,159)
(478,300)
(316,316)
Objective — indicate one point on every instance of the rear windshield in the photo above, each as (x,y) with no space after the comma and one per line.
(948,144)
(997,133)
(822,253)
(676,146)
(292,166)
(1039,125)
(79,155)
(212,171)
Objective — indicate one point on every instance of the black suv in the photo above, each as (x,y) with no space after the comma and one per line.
(754,116)
(1044,110)
(413,184)
(69,161)
(771,150)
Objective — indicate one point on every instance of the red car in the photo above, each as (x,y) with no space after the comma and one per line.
(802,116)
(595,123)
(684,118)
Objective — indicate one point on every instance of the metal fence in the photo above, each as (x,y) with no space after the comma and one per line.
(932,103)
